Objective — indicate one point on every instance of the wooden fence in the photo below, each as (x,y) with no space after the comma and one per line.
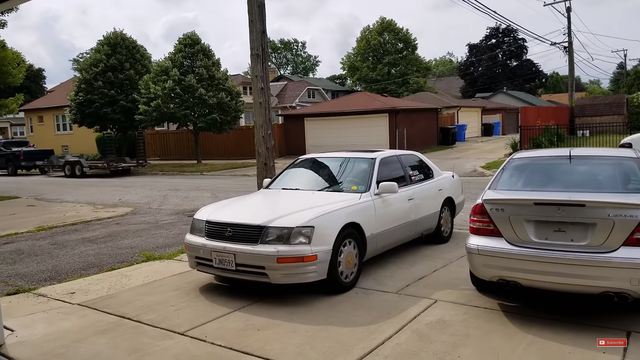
(446,120)
(238,144)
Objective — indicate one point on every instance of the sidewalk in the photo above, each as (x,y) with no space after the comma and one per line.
(415,303)
(22,215)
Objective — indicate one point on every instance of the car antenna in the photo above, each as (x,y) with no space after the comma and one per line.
(569,156)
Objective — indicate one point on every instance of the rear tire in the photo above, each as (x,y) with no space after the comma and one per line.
(11,169)
(43,171)
(78,170)
(480,284)
(345,266)
(444,229)
(126,171)
(68,170)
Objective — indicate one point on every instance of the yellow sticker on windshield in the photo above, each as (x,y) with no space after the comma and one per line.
(354,188)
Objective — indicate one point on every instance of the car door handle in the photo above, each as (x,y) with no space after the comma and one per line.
(410,199)
(439,189)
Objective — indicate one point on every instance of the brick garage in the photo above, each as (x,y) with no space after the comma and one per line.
(361,121)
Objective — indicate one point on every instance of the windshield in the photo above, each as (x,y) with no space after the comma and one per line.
(591,174)
(14,144)
(336,174)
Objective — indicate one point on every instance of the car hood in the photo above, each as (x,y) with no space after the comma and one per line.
(276,207)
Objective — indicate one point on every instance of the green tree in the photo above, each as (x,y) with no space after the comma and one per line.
(339,79)
(617,78)
(6,13)
(385,60)
(190,87)
(106,91)
(290,57)
(444,66)
(632,84)
(32,87)
(500,60)
(558,84)
(13,67)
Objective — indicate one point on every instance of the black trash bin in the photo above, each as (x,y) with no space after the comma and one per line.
(448,135)
(487,129)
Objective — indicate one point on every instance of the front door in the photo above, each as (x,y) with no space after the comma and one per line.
(395,213)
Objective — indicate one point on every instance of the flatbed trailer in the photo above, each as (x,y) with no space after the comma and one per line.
(74,166)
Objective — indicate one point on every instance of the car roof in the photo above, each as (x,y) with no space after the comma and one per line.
(583,151)
(370,153)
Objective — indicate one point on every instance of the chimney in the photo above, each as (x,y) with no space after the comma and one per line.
(273,73)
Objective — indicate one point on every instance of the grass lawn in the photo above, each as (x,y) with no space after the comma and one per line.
(437,148)
(493,165)
(599,140)
(3,198)
(193,168)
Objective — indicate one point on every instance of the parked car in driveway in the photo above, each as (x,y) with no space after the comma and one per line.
(16,155)
(323,216)
(560,219)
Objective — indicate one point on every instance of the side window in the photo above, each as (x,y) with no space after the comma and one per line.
(417,169)
(390,170)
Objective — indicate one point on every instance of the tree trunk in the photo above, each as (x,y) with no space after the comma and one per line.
(263,129)
(196,142)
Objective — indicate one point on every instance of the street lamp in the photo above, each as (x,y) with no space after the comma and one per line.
(8,4)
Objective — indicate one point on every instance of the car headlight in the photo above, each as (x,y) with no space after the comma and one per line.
(197,227)
(288,236)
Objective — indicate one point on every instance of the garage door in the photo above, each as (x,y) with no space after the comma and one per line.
(472,119)
(347,133)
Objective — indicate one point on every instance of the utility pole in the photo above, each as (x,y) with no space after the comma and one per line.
(624,57)
(263,128)
(572,66)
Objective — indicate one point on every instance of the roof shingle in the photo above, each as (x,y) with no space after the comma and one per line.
(601,105)
(443,100)
(360,102)
(57,96)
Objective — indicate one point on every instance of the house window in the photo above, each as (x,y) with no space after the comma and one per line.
(248,117)
(247,91)
(30,124)
(311,94)
(40,120)
(275,119)
(164,126)
(63,125)
(335,95)
(18,131)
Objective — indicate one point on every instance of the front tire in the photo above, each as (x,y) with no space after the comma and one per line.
(345,267)
(78,170)
(43,171)
(11,169)
(444,229)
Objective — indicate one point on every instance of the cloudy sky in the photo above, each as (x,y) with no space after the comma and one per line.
(50,32)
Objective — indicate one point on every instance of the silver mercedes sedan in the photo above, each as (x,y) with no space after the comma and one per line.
(560,219)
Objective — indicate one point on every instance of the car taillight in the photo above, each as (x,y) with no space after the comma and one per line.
(480,222)
(21,155)
(634,238)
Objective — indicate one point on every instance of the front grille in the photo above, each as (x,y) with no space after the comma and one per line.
(234,233)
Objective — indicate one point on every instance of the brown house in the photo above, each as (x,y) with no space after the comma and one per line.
(361,121)
(602,109)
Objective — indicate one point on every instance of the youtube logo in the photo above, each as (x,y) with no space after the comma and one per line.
(612,342)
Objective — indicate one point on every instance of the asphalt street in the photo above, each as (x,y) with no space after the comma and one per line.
(164,206)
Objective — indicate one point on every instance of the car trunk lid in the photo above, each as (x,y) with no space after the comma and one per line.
(585,222)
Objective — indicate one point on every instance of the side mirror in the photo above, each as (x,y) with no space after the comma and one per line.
(387,188)
(265,182)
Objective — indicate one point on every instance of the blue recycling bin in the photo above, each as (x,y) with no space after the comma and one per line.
(462,132)
(496,128)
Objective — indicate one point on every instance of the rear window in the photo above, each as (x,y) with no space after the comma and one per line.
(598,174)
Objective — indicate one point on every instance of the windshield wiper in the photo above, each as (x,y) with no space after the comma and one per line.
(330,186)
(289,188)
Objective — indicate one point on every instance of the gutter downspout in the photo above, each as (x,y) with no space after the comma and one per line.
(458,115)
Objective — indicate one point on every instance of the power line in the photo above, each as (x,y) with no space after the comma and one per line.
(591,32)
(611,37)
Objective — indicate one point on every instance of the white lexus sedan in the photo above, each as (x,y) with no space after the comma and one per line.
(323,216)
(560,219)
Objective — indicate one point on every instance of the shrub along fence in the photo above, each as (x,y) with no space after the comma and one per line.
(236,145)
(585,135)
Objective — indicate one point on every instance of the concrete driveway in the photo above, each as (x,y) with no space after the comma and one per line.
(466,156)
(414,302)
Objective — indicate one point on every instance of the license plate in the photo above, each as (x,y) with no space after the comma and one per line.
(224,261)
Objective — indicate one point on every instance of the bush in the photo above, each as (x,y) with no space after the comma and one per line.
(551,137)
(513,145)
(125,145)
(92,157)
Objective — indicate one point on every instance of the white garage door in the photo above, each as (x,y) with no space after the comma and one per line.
(472,119)
(347,133)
